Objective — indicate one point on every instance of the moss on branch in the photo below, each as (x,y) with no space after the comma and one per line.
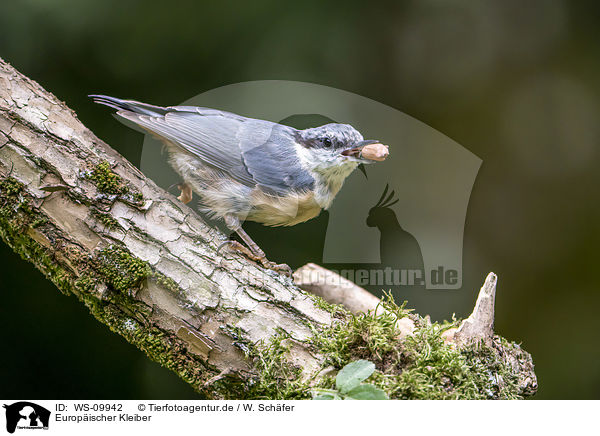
(110,183)
(113,266)
(421,366)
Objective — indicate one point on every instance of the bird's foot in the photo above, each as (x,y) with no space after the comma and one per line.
(281,268)
(185,195)
(258,257)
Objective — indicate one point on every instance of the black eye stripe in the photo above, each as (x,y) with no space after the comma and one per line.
(321,141)
(308,142)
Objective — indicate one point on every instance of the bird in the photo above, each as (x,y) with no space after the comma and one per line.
(247,169)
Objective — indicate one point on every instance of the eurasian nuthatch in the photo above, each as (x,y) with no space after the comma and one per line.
(249,169)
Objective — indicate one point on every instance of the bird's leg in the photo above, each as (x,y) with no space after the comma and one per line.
(252,250)
(186,193)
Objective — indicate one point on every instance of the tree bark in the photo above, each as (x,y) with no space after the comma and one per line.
(144,263)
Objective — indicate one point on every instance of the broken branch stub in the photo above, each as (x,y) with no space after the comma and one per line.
(480,324)
(336,289)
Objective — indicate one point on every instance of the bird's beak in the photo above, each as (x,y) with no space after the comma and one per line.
(368,151)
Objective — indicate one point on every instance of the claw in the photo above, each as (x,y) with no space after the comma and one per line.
(281,268)
(251,249)
(186,193)
(277,267)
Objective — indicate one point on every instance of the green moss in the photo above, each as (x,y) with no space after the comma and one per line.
(138,197)
(239,339)
(106,180)
(166,282)
(431,369)
(13,200)
(38,222)
(422,366)
(121,270)
(276,378)
(10,187)
(85,284)
(158,345)
(115,266)
(364,336)
(336,310)
(110,183)
(498,376)
(17,218)
(107,220)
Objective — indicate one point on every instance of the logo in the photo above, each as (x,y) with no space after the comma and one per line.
(26,415)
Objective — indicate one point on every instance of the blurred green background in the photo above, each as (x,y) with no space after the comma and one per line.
(517,83)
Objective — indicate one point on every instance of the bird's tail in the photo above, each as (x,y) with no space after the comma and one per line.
(129,105)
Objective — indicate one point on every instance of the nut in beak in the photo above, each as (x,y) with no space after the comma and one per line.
(372,150)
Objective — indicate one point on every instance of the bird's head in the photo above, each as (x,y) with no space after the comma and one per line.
(337,148)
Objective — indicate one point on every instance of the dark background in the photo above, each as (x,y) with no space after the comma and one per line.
(516,83)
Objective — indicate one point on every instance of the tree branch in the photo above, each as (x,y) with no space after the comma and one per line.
(147,266)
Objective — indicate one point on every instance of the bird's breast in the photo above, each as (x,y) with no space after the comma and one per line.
(289,210)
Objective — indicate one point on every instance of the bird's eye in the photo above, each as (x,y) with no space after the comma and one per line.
(327,142)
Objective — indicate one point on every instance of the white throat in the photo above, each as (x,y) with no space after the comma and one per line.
(329,172)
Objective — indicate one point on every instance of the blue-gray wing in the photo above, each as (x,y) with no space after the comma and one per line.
(253,152)
(269,152)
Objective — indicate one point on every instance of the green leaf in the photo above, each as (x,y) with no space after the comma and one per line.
(325,394)
(324,397)
(367,391)
(353,374)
